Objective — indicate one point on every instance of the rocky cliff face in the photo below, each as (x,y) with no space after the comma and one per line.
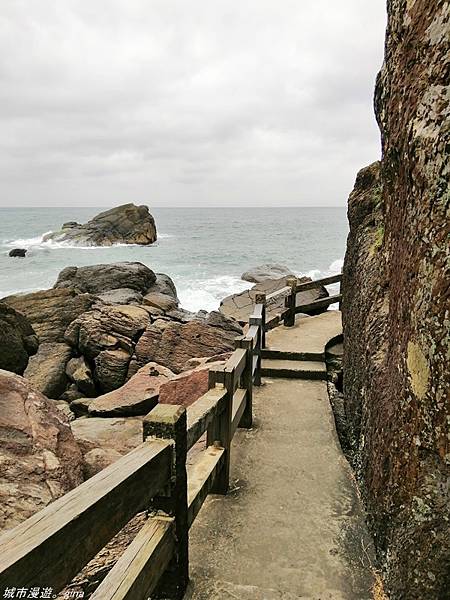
(396,307)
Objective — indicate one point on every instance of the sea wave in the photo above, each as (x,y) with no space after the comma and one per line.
(38,242)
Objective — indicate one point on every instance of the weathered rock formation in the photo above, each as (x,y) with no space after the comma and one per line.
(106,336)
(172,344)
(240,306)
(136,397)
(266,272)
(18,341)
(188,386)
(50,312)
(97,279)
(39,458)
(126,224)
(46,370)
(395,308)
(103,441)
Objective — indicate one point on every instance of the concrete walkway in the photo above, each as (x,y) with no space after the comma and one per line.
(291,526)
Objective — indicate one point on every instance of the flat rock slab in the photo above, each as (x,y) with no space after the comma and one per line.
(292,525)
(307,335)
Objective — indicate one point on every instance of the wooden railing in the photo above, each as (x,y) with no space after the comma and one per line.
(47,550)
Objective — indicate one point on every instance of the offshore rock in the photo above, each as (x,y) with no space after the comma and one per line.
(18,340)
(395,309)
(126,224)
(39,458)
(17,253)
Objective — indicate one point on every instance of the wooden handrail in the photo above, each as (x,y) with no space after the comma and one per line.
(53,545)
(154,476)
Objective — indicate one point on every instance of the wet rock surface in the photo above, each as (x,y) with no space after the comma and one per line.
(125,224)
(395,309)
(267,272)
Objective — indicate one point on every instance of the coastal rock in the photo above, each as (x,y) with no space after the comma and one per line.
(98,279)
(106,336)
(125,224)
(79,372)
(39,458)
(171,344)
(18,340)
(111,368)
(164,285)
(395,310)
(137,397)
(121,296)
(188,386)
(50,312)
(102,441)
(17,253)
(266,272)
(46,370)
(240,306)
(162,301)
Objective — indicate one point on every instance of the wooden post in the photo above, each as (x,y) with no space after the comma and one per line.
(261,299)
(247,381)
(169,422)
(289,319)
(219,432)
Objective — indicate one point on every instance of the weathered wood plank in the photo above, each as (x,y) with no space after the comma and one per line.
(252,333)
(236,363)
(202,412)
(274,297)
(201,477)
(138,570)
(50,547)
(321,303)
(255,364)
(310,285)
(239,404)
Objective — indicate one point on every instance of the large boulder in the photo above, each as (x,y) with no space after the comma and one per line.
(171,343)
(164,302)
(46,370)
(18,340)
(126,224)
(97,279)
(50,312)
(164,285)
(266,272)
(106,336)
(188,386)
(121,296)
(39,457)
(240,306)
(103,441)
(137,397)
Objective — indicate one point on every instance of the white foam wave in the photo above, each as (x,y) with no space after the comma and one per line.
(207,293)
(38,242)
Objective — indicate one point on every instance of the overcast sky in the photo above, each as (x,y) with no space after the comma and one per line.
(178,103)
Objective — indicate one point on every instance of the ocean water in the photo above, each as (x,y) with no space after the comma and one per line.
(204,250)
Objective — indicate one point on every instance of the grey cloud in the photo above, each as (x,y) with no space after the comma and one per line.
(170,102)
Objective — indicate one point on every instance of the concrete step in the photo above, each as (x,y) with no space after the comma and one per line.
(293,369)
(275,354)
